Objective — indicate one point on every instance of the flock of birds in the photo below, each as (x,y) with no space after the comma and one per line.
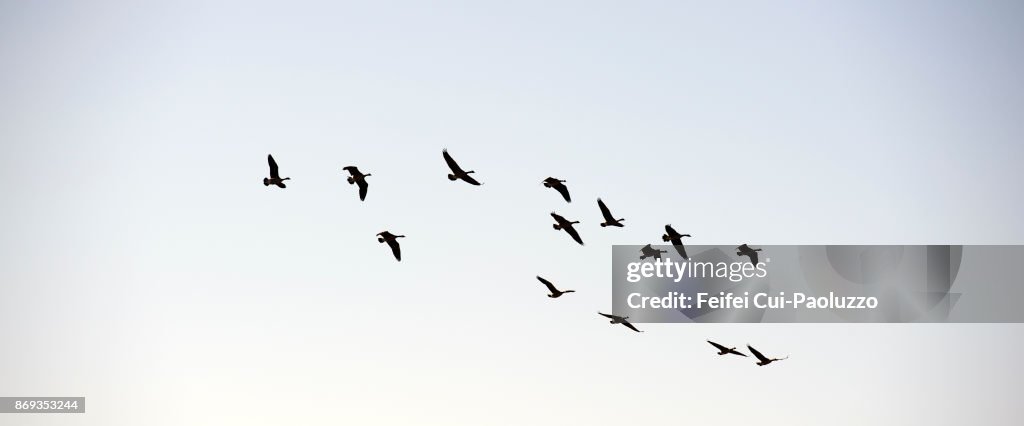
(358,178)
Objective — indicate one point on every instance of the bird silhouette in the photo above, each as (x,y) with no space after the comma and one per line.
(677,240)
(559,186)
(275,178)
(648,251)
(457,172)
(562,223)
(555,293)
(609,220)
(357,177)
(615,319)
(745,250)
(392,241)
(761,359)
(722,350)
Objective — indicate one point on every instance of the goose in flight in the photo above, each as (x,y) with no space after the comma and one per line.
(562,223)
(676,239)
(457,172)
(609,220)
(615,319)
(275,178)
(745,250)
(722,350)
(357,177)
(559,186)
(392,240)
(761,359)
(555,293)
(648,251)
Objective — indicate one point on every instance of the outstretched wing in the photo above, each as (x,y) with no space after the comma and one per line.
(753,257)
(627,324)
(470,179)
(757,354)
(671,232)
(608,316)
(736,352)
(562,189)
(605,212)
(551,287)
(352,170)
(572,232)
(720,347)
(451,163)
(273,167)
(680,249)
(363,186)
(395,249)
(558,218)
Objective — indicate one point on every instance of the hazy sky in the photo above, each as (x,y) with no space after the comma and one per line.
(145,266)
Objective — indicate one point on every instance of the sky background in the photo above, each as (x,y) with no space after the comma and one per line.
(144,266)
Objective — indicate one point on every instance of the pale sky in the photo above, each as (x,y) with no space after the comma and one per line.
(146,267)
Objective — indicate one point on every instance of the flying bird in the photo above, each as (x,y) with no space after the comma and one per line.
(457,172)
(275,178)
(676,239)
(562,223)
(722,350)
(555,293)
(761,359)
(609,220)
(392,241)
(648,251)
(559,186)
(615,319)
(745,250)
(357,177)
